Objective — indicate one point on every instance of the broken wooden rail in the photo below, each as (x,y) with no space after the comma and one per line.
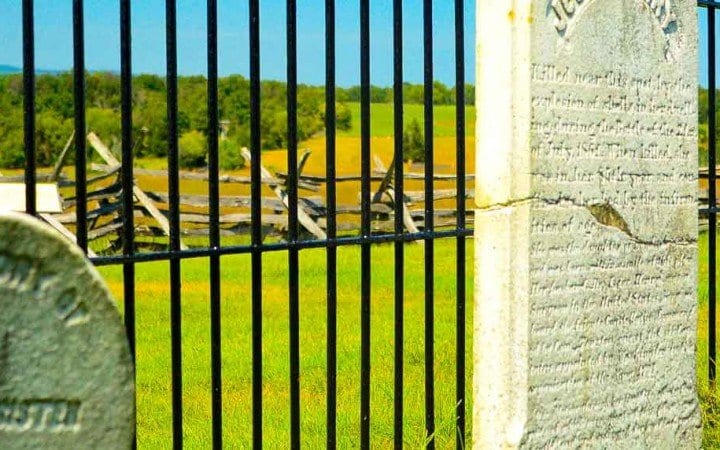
(104,212)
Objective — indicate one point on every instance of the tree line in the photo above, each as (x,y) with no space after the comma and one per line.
(703,130)
(55,112)
(412,93)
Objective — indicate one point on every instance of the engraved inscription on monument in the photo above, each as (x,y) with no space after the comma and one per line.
(586,272)
(65,369)
(566,11)
(40,415)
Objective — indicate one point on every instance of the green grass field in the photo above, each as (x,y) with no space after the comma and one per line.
(153,341)
(153,348)
(381,119)
(709,397)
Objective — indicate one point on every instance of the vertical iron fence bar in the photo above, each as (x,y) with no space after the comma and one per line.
(174,209)
(126,174)
(331,223)
(293,257)
(214,210)
(429,227)
(712,197)
(366,269)
(79,103)
(398,207)
(256,224)
(29,104)
(460,242)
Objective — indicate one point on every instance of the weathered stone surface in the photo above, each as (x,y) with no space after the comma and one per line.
(586,226)
(66,377)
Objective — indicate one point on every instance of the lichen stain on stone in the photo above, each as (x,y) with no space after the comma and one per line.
(530,17)
(4,357)
(607,215)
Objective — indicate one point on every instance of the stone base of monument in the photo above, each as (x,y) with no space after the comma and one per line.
(66,375)
(586,225)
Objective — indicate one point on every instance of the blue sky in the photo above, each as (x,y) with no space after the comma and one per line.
(702,49)
(53,24)
(53,41)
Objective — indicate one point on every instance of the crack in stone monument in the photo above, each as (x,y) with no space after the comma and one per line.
(603,213)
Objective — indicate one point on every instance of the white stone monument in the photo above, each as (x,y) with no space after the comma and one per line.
(586,224)
(66,374)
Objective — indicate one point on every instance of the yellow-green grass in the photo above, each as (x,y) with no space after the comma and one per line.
(709,396)
(381,119)
(153,348)
(153,341)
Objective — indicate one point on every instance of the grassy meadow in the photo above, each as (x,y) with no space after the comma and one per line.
(153,348)
(381,119)
(153,337)
(709,396)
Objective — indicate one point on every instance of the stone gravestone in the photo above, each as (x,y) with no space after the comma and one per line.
(66,376)
(586,224)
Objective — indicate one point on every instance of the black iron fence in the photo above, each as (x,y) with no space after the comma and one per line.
(711,209)
(131,259)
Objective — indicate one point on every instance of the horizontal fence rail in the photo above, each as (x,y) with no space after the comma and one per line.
(108,200)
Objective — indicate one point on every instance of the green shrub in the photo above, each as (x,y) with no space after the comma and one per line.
(229,154)
(51,134)
(413,142)
(12,154)
(343,117)
(193,149)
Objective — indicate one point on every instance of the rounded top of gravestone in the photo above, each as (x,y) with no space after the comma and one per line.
(66,375)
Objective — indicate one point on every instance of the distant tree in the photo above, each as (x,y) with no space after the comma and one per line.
(103,90)
(442,95)
(192,100)
(413,93)
(150,124)
(413,142)
(12,154)
(703,107)
(148,82)
(310,112)
(343,117)
(469,94)
(380,94)
(274,129)
(105,123)
(51,133)
(55,111)
(193,149)
(351,94)
(55,93)
(703,144)
(234,98)
(230,155)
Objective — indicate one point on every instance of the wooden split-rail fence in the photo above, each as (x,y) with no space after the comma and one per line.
(104,197)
